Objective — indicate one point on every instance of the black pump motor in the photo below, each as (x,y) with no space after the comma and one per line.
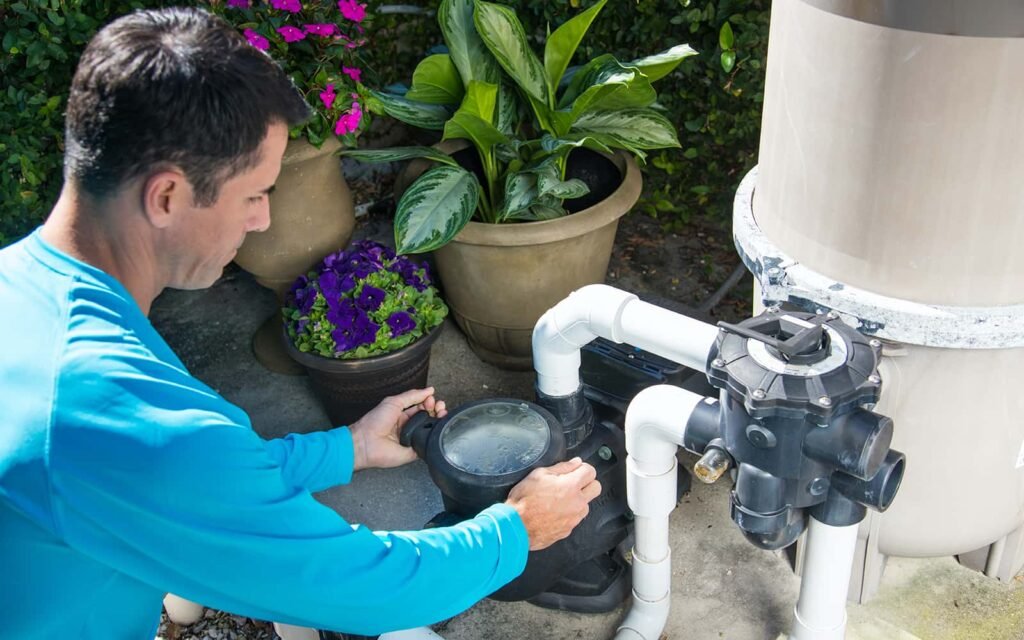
(479,451)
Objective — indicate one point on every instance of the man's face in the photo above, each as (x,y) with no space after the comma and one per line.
(210,236)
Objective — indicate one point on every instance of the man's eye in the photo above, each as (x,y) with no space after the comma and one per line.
(257,199)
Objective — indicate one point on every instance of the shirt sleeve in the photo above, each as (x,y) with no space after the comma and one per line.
(315,461)
(150,479)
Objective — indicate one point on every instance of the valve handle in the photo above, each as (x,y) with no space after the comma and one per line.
(798,336)
(415,431)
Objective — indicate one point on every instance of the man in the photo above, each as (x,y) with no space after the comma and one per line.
(122,477)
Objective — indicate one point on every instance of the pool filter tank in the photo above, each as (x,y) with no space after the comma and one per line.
(889,194)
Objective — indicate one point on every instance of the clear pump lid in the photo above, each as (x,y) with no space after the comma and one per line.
(495,438)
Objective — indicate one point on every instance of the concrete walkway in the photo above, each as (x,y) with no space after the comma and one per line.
(723,587)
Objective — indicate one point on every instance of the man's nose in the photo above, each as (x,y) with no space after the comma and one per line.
(261,221)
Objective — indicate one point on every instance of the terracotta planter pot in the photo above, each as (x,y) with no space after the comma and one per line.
(312,214)
(500,278)
(347,389)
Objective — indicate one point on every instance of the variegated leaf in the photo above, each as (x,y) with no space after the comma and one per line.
(552,186)
(661,64)
(545,208)
(508,106)
(504,36)
(520,193)
(632,128)
(607,84)
(436,81)
(467,50)
(394,154)
(435,208)
(561,146)
(418,114)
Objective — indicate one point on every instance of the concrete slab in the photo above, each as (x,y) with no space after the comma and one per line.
(723,587)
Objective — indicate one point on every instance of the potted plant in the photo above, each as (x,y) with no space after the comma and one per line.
(498,220)
(317,43)
(362,322)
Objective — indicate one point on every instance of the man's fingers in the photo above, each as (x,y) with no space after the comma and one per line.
(591,491)
(565,467)
(582,474)
(410,398)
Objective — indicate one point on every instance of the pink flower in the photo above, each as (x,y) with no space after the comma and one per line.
(294,6)
(240,4)
(353,73)
(291,34)
(352,10)
(321,29)
(349,122)
(327,96)
(256,40)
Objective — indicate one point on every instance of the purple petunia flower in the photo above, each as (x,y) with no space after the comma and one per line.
(344,339)
(370,298)
(347,282)
(330,286)
(334,261)
(401,323)
(304,299)
(344,314)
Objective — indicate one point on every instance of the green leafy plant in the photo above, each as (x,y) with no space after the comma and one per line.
(715,97)
(522,113)
(362,302)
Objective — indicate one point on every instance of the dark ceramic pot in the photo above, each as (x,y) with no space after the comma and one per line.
(348,389)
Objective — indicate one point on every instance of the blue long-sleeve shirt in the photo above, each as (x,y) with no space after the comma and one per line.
(123,478)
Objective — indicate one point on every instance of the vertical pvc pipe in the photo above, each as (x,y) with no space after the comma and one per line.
(828,563)
(292,632)
(181,611)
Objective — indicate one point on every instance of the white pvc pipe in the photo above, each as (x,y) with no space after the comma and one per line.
(820,613)
(292,632)
(601,311)
(419,633)
(655,424)
(181,611)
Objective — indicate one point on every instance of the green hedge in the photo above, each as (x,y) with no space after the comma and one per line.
(717,112)
(41,42)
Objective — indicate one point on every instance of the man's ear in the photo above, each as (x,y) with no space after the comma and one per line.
(164,195)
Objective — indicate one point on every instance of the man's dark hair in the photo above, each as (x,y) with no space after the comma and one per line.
(174,87)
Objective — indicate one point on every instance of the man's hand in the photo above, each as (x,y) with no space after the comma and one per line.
(553,500)
(375,435)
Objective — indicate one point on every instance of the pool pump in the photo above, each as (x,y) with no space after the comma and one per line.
(480,450)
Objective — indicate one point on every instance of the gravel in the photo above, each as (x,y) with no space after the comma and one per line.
(217,625)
